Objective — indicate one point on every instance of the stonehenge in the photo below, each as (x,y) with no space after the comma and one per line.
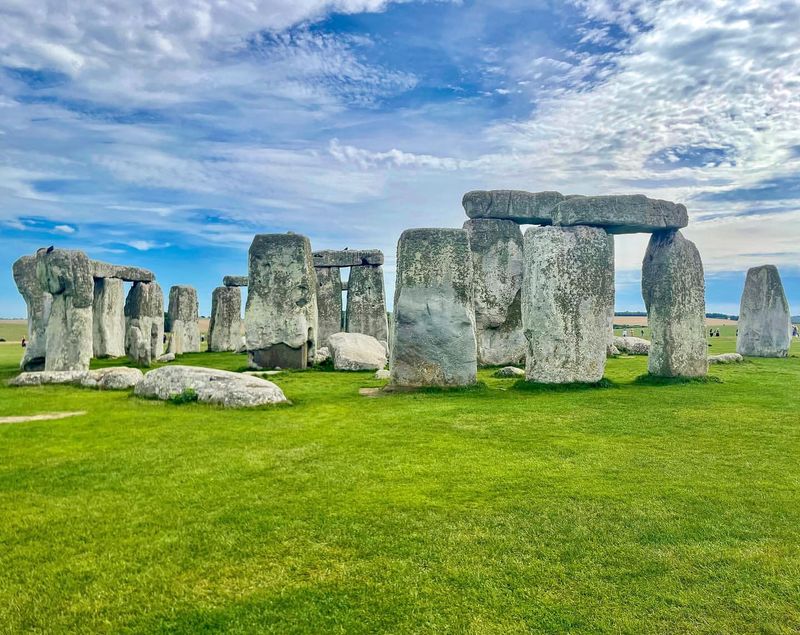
(567,303)
(366,303)
(38,302)
(329,302)
(108,318)
(434,317)
(281,310)
(225,327)
(182,316)
(235,281)
(497,264)
(347,258)
(764,316)
(673,289)
(144,322)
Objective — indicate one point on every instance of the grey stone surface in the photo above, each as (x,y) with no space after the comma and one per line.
(225,326)
(356,351)
(612,350)
(281,313)
(108,317)
(166,358)
(182,316)
(41,378)
(764,317)
(366,303)
(232,390)
(38,302)
(329,302)
(509,371)
(322,355)
(121,272)
(631,345)
(673,288)
(567,303)
(112,378)
(726,358)
(382,373)
(347,257)
(434,318)
(67,276)
(622,214)
(144,322)
(235,281)
(497,263)
(535,208)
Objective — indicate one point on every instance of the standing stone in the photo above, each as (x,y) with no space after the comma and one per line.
(38,302)
(144,322)
(673,289)
(434,317)
(67,276)
(366,303)
(497,262)
(281,312)
(182,314)
(329,302)
(764,317)
(567,303)
(108,317)
(225,328)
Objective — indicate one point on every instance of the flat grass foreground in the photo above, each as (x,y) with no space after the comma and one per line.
(637,507)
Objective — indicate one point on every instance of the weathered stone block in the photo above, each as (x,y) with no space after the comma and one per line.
(673,289)
(38,302)
(235,281)
(182,315)
(625,214)
(535,208)
(144,322)
(108,317)
(434,318)
(329,302)
(764,317)
(225,327)
(366,303)
(348,257)
(122,272)
(497,263)
(567,303)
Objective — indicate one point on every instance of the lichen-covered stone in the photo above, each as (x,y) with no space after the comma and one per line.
(38,302)
(121,272)
(631,345)
(621,214)
(434,317)
(509,372)
(366,303)
(347,257)
(225,326)
(329,303)
(567,303)
(119,378)
(725,358)
(281,313)
(108,317)
(144,322)
(67,276)
(497,264)
(235,281)
(764,317)
(182,316)
(535,208)
(356,351)
(674,294)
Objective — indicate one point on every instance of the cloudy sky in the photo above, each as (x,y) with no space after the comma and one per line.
(165,133)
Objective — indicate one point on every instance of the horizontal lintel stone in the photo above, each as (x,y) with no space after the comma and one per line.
(102,269)
(235,281)
(347,257)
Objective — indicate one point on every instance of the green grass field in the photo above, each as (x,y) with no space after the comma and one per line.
(635,508)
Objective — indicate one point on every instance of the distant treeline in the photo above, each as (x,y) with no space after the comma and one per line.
(719,316)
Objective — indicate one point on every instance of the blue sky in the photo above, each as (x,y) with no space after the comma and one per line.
(167,134)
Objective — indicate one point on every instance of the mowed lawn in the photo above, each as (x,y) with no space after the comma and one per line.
(635,508)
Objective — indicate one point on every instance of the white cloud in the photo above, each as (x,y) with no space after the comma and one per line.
(64,229)
(147,245)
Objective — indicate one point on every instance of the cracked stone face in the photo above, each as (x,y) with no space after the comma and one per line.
(764,316)
(329,302)
(366,303)
(225,327)
(144,322)
(38,302)
(108,311)
(182,316)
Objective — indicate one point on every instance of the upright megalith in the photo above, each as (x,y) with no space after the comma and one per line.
(67,276)
(567,303)
(329,302)
(673,289)
(497,263)
(366,303)
(281,312)
(434,318)
(108,317)
(144,322)
(182,315)
(38,302)
(764,317)
(225,328)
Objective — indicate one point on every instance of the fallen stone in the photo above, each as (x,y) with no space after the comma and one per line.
(382,373)
(121,272)
(166,358)
(366,303)
(434,316)
(38,303)
(567,303)
(725,358)
(49,377)
(347,257)
(120,378)
(225,326)
(497,264)
(329,302)
(231,390)
(673,288)
(530,208)
(235,281)
(624,214)
(322,355)
(764,317)
(509,371)
(108,318)
(182,316)
(356,351)
(632,345)
(612,351)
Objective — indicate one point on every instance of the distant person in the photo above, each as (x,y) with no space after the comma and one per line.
(717,333)
(642,332)
(794,332)
(25,342)
(624,332)
(711,332)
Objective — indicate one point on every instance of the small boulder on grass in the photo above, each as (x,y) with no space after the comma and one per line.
(632,345)
(726,358)
(356,351)
(382,374)
(509,371)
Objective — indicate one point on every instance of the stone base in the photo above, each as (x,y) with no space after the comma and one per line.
(280,355)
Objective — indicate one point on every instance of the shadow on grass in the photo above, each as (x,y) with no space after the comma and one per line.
(652,380)
(536,387)
(478,387)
